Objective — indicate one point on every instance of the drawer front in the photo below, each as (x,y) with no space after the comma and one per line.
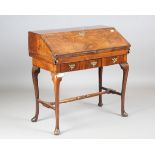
(73,66)
(114,60)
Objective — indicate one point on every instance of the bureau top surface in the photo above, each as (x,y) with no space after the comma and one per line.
(74,41)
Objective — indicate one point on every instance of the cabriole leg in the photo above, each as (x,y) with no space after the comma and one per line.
(35,72)
(125,68)
(56,80)
(100,70)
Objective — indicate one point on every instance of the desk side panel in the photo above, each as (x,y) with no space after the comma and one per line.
(38,48)
(45,65)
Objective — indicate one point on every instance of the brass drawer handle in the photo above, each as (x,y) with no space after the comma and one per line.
(93,63)
(114,60)
(71,66)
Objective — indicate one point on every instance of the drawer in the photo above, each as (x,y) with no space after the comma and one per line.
(114,60)
(73,66)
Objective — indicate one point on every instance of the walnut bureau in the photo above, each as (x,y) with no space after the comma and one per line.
(68,50)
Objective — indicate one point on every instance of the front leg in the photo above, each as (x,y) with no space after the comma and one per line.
(125,68)
(100,70)
(56,80)
(35,72)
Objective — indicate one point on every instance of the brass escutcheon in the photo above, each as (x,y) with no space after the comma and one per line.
(93,63)
(71,66)
(82,33)
(114,60)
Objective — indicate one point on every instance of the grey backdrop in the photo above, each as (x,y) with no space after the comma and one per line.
(16,90)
